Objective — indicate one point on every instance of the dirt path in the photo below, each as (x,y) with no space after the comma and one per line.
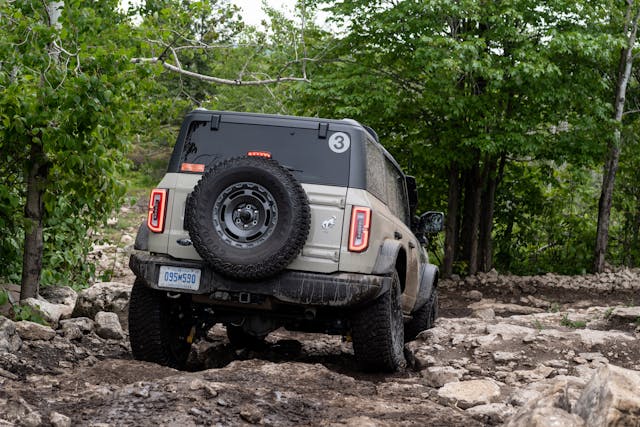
(495,349)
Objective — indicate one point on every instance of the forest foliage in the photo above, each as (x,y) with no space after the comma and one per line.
(502,110)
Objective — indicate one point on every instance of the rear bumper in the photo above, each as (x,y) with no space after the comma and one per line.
(289,286)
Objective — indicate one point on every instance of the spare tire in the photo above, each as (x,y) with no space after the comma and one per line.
(248,217)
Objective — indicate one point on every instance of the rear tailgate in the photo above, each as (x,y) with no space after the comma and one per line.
(321,253)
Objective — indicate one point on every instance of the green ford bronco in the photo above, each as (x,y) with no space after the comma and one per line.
(266,221)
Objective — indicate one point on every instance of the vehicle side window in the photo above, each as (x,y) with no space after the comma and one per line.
(376,178)
(396,191)
(386,182)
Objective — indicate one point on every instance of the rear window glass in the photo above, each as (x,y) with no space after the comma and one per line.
(308,157)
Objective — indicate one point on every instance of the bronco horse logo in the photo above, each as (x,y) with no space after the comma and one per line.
(326,225)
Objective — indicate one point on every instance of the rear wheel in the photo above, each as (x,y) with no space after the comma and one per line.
(378,332)
(423,318)
(160,329)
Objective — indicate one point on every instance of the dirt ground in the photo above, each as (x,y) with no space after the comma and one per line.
(499,333)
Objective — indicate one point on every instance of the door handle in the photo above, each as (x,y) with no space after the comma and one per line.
(397,235)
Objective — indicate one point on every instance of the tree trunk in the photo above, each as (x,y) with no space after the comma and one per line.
(466,217)
(488,211)
(613,156)
(476,193)
(34,214)
(635,234)
(451,227)
(36,179)
(486,216)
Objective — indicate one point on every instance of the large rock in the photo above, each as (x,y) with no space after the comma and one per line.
(466,394)
(611,398)
(31,331)
(9,339)
(499,307)
(592,338)
(104,296)
(85,324)
(62,295)
(108,326)
(59,420)
(546,417)
(492,413)
(550,407)
(437,376)
(626,314)
(16,410)
(54,303)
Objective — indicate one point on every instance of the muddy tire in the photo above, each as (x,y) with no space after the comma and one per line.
(240,339)
(423,318)
(159,327)
(378,332)
(248,217)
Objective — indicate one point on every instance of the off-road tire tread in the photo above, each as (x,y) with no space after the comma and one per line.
(147,333)
(372,334)
(423,318)
(279,259)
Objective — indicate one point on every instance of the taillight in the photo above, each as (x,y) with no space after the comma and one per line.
(265,154)
(359,229)
(192,167)
(157,210)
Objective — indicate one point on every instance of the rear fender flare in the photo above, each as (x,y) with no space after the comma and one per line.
(387,256)
(142,238)
(428,282)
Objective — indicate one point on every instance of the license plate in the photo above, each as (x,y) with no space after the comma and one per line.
(179,278)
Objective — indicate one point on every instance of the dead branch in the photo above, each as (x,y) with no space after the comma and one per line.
(219,80)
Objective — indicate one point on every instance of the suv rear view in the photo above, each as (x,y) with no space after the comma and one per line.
(266,221)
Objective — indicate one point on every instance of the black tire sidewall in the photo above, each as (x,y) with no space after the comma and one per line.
(283,200)
(378,332)
(423,318)
(153,330)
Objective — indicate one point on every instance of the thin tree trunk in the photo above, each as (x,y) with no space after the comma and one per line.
(34,214)
(613,156)
(466,216)
(635,238)
(486,216)
(476,193)
(451,226)
(37,176)
(488,211)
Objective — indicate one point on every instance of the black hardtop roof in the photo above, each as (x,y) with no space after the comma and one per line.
(202,114)
(275,119)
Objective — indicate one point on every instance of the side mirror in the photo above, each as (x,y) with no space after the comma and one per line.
(412,193)
(432,222)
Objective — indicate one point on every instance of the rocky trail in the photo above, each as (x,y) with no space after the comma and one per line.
(515,351)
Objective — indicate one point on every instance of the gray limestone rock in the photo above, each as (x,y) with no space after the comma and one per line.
(611,398)
(466,394)
(104,296)
(9,339)
(85,324)
(31,331)
(437,376)
(491,413)
(108,325)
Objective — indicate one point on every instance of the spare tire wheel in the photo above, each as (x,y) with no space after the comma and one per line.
(248,217)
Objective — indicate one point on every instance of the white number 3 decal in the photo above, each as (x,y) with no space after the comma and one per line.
(339,142)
